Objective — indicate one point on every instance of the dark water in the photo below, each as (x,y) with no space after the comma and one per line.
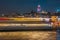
(58,34)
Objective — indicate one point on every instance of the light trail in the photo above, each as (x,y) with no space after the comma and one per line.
(27,25)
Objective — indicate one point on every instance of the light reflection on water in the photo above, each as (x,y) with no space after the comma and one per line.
(58,34)
(28,35)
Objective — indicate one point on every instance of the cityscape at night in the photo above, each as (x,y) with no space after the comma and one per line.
(29,19)
(24,6)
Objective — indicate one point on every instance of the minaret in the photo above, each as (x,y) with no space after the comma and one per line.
(38,9)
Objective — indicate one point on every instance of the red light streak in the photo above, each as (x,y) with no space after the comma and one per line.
(4,18)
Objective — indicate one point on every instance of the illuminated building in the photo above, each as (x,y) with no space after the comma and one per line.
(38,8)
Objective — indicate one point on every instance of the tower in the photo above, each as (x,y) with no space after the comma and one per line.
(38,9)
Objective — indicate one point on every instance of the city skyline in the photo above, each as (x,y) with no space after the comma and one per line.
(24,6)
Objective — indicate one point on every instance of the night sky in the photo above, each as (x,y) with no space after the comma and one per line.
(24,6)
